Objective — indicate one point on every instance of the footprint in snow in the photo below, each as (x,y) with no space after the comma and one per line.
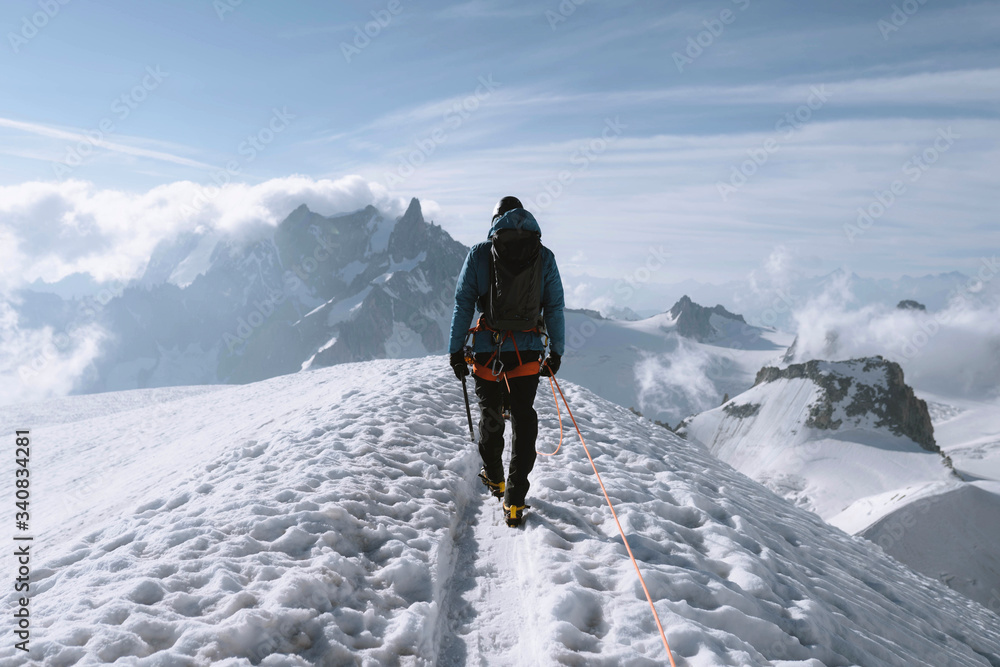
(148,591)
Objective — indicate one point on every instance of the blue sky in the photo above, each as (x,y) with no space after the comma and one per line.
(654,125)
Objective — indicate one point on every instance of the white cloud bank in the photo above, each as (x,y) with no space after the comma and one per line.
(685,374)
(37,364)
(954,351)
(49,230)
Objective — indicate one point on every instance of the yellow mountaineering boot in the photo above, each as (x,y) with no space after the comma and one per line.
(496,488)
(514,514)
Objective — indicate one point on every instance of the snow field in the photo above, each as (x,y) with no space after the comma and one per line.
(334,518)
(949,532)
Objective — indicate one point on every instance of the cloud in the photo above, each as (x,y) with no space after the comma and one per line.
(116,147)
(954,351)
(49,230)
(586,294)
(484,9)
(681,377)
(37,364)
(777,273)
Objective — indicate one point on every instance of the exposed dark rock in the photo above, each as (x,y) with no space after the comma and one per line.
(694,321)
(655,421)
(892,402)
(742,411)
(910,304)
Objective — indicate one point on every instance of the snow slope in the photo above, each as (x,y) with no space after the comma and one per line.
(951,534)
(333,517)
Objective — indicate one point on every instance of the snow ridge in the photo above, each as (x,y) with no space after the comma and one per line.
(341,523)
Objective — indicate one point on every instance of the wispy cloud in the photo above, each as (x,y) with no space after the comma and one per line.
(484,9)
(878,95)
(78,137)
(325,29)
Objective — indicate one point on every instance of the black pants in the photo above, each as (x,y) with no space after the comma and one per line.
(524,421)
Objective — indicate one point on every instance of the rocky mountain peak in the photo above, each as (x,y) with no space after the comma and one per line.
(859,389)
(314,290)
(694,321)
(910,304)
(410,233)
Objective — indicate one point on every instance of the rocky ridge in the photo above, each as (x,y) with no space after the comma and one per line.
(846,398)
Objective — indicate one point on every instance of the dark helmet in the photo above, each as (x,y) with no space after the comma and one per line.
(506,204)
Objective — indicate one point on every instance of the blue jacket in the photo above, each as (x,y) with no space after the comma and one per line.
(474,282)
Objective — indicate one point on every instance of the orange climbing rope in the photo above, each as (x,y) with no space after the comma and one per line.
(613,513)
(559,413)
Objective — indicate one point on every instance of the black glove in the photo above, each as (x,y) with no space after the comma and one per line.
(458,364)
(551,365)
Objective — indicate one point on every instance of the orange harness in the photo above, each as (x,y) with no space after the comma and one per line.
(485,370)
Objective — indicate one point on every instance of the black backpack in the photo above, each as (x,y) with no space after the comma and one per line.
(514,302)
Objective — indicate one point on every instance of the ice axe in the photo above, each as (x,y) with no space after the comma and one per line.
(468,410)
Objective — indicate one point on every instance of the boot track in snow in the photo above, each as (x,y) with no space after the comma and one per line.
(487,612)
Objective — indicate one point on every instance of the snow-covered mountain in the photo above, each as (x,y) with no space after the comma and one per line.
(333,517)
(824,433)
(852,442)
(672,365)
(313,291)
